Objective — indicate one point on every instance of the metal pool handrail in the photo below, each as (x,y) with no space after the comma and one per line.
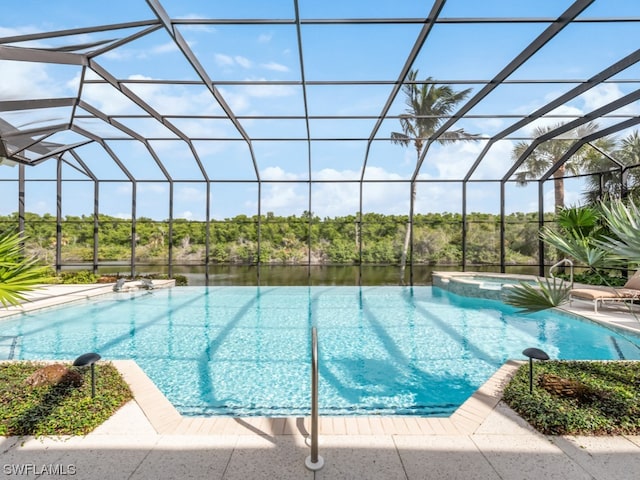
(314,461)
(564,261)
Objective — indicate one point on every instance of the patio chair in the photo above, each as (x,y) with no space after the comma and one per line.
(629,293)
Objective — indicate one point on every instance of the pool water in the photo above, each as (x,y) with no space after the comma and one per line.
(246,350)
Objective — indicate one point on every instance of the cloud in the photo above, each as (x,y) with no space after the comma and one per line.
(13,32)
(606,93)
(158,188)
(190,194)
(550,120)
(243,61)
(276,67)
(265,38)
(265,91)
(277,173)
(223,60)
(590,100)
(454,161)
(283,198)
(23,80)
(195,27)
(129,54)
(165,48)
(332,199)
(166,99)
(41,207)
(231,61)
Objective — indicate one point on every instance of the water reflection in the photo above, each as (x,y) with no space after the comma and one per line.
(296,275)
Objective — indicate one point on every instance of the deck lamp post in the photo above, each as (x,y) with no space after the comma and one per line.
(538,355)
(89,359)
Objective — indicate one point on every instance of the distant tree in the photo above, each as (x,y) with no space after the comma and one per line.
(628,154)
(428,106)
(548,153)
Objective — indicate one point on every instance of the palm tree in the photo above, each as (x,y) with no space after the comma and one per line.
(17,273)
(428,106)
(627,153)
(548,153)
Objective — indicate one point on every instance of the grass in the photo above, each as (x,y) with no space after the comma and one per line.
(58,409)
(578,398)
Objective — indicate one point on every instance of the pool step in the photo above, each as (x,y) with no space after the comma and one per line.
(9,346)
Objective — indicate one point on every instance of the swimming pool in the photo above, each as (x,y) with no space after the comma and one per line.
(245,350)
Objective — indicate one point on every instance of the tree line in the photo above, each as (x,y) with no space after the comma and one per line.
(373,239)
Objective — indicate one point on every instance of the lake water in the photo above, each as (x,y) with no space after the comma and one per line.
(343,275)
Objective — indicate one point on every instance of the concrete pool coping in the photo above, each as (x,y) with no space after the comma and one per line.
(45,296)
(165,419)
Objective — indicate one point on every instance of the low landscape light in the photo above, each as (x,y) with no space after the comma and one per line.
(538,355)
(85,360)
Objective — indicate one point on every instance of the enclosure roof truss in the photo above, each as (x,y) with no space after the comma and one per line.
(29,136)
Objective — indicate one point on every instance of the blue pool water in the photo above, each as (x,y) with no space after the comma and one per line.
(246,350)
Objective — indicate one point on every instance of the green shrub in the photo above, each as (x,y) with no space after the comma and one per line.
(80,277)
(57,409)
(181,280)
(608,402)
(596,278)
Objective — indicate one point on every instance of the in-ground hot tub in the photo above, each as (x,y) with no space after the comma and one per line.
(477,284)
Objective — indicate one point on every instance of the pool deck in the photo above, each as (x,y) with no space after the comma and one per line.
(484,439)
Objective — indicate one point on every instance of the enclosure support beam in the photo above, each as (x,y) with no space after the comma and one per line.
(134,194)
(170,253)
(58,215)
(21,207)
(540,226)
(96,224)
(259,226)
(410,226)
(624,177)
(464,226)
(207,243)
(502,227)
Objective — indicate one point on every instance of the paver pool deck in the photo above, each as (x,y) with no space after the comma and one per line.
(484,439)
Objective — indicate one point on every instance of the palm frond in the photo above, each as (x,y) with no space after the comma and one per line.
(582,220)
(624,223)
(400,139)
(17,273)
(529,298)
(583,249)
(10,248)
(428,107)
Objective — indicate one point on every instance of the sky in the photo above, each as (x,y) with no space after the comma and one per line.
(252,55)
